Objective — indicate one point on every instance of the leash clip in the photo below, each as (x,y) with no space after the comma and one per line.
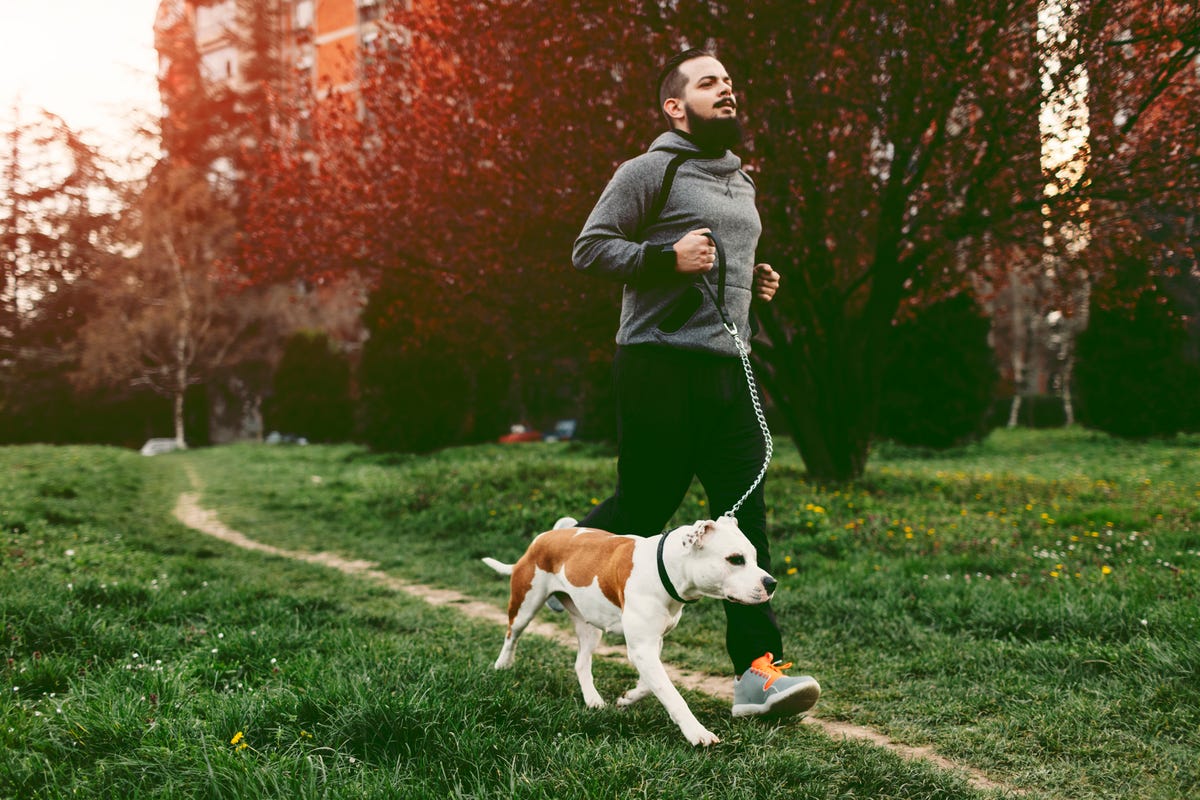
(729,326)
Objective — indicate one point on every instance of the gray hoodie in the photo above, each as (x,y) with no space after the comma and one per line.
(659,305)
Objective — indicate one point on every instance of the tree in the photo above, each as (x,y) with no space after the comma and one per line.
(483,283)
(167,323)
(58,210)
(1126,204)
(896,148)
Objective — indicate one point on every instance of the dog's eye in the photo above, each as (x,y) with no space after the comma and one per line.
(737,561)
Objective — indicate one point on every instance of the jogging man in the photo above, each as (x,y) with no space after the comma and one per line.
(678,227)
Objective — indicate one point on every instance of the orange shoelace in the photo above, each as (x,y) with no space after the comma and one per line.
(769,669)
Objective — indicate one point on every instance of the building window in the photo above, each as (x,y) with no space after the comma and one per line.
(304,14)
(370,10)
(220,64)
(215,21)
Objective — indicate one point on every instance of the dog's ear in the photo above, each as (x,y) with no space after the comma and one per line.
(694,537)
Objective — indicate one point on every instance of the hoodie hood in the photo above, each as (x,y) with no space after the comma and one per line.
(676,143)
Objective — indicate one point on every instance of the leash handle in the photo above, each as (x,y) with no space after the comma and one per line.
(760,415)
(719,302)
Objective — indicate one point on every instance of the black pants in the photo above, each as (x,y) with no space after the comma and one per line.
(682,415)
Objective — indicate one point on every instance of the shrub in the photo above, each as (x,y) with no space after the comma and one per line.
(939,377)
(312,390)
(1133,376)
(422,394)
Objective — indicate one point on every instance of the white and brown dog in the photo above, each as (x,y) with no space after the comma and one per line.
(635,586)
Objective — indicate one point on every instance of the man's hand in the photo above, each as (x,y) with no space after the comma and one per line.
(695,252)
(766,282)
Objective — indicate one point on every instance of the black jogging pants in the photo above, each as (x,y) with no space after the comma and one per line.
(681,415)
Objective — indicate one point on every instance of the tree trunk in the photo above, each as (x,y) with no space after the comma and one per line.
(827,391)
(182,340)
(1014,411)
(1067,377)
(179,438)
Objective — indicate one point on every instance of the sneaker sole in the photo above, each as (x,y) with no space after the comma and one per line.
(797,700)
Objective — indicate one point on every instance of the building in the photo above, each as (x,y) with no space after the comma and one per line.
(321,44)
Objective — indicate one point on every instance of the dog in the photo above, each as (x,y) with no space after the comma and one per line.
(636,586)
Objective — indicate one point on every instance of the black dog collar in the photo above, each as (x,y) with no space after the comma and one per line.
(662,571)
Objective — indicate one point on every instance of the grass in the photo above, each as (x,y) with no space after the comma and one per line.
(1027,605)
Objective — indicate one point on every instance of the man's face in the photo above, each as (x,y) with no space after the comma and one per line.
(708,108)
(709,91)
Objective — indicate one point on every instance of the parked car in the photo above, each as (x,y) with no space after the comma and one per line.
(520,433)
(564,430)
(154,447)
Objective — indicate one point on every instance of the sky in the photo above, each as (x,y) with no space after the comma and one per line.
(91,62)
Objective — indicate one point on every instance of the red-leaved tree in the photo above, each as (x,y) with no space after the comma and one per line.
(896,147)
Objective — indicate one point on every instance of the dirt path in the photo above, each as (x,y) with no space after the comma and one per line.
(190,513)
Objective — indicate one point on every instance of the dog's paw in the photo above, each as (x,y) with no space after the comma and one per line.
(703,738)
(595,702)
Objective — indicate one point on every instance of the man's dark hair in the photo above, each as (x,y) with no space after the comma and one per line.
(671,81)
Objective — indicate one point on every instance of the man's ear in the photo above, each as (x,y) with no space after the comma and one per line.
(673,108)
(694,537)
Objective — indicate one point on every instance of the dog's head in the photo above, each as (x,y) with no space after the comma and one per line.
(720,562)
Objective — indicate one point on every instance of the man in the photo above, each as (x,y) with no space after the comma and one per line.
(685,254)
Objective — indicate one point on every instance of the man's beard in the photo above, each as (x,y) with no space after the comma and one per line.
(714,135)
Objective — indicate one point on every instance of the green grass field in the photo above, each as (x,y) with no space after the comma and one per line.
(1027,606)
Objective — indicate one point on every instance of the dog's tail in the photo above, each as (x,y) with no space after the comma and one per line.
(499,566)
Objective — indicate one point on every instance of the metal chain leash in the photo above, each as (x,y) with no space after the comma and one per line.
(758,413)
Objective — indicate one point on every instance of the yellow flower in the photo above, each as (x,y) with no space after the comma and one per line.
(1053,574)
(792,571)
(1106,569)
(237,737)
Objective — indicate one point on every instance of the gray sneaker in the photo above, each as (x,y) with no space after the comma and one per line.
(763,690)
(553,602)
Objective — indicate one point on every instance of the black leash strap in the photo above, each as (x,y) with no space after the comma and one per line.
(664,193)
